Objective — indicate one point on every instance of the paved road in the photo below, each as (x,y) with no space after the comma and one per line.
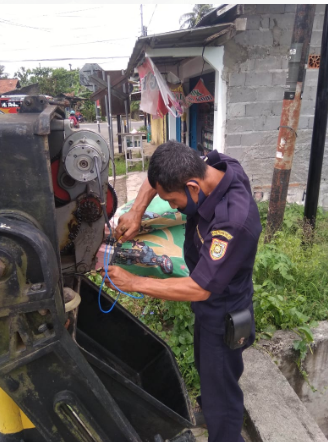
(104,128)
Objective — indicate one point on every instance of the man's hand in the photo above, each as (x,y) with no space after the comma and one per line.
(128,226)
(120,277)
(129,223)
(171,289)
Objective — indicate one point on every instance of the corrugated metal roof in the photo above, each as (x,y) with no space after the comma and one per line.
(183,38)
(216,15)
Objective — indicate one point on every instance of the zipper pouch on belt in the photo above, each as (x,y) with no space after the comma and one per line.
(238,327)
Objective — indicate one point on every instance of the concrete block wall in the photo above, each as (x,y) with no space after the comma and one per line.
(255,71)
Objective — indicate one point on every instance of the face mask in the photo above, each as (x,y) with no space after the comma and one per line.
(192,207)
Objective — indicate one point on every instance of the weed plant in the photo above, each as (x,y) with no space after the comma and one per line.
(290,291)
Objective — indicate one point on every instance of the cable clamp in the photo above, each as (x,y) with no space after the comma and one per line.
(290,128)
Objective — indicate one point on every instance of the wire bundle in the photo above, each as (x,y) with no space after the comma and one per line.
(109,242)
(106,276)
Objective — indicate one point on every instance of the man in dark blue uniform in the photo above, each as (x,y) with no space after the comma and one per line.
(222,232)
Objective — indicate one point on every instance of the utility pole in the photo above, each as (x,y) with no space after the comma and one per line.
(319,131)
(290,114)
(143,28)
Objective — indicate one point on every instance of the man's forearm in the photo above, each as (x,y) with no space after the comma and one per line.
(172,289)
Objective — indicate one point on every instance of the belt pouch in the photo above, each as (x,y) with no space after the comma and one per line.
(238,327)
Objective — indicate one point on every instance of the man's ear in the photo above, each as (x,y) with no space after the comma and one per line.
(193,187)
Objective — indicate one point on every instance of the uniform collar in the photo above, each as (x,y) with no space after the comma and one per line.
(207,209)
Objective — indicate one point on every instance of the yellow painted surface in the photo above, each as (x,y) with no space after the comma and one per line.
(158,130)
(26,421)
(12,419)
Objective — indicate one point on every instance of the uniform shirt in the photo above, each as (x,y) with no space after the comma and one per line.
(221,243)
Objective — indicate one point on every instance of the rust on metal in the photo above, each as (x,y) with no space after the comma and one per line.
(288,130)
(314,61)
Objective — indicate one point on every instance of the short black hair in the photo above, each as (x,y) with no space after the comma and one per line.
(173,164)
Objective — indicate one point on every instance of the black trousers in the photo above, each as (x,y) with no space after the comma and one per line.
(222,399)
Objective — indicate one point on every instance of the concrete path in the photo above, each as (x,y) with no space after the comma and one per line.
(134,181)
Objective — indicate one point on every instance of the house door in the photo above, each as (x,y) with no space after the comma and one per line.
(193,110)
(178,129)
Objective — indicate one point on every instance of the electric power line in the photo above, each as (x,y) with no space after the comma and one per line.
(152,15)
(70,44)
(9,22)
(69,12)
(65,59)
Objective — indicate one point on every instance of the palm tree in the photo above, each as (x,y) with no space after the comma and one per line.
(191,19)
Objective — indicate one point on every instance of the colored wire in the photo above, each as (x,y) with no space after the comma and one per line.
(106,265)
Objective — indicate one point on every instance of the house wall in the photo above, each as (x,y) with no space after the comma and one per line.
(158,130)
(255,70)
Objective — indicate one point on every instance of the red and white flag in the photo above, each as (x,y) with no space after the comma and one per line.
(156,97)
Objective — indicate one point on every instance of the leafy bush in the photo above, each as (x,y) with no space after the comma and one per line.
(291,274)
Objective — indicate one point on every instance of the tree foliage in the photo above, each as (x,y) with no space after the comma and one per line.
(52,81)
(2,72)
(23,75)
(55,81)
(135,109)
(191,19)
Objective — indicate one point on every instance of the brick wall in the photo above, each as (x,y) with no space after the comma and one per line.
(255,71)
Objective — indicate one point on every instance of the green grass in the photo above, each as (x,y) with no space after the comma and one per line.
(121,169)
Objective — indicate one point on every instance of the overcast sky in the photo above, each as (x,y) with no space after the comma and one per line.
(78,30)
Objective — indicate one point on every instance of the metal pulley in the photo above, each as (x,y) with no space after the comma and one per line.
(80,152)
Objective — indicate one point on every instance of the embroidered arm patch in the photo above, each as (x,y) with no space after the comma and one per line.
(221,233)
(218,249)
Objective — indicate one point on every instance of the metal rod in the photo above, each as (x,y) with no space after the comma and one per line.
(96,107)
(101,192)
(111,140)
(290,114)
(126,110)
(107,110)
(119,137)
(319,131)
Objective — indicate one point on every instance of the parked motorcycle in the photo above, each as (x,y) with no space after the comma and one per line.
(73,120)
(80,118)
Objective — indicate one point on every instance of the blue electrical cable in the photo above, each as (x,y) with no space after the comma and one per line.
(107,254)
(106,265)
